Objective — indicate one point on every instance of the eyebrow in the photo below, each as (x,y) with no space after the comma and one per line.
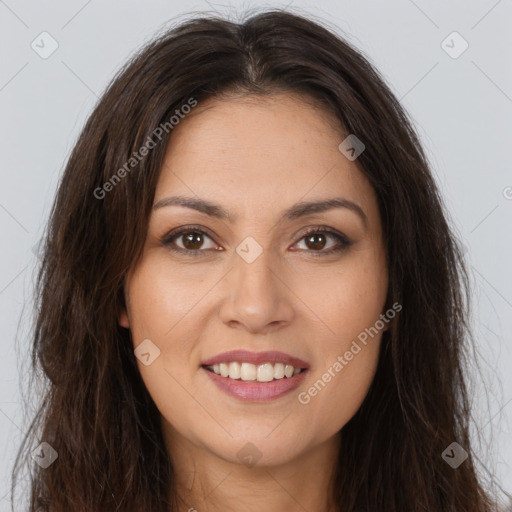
(294,212)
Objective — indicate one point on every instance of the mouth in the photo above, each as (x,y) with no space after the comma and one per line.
(255,366)
(256,376)
(266,372)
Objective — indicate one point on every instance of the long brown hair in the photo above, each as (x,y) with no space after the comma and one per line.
(96,412)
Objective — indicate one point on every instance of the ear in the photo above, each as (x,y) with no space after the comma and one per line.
(123,319)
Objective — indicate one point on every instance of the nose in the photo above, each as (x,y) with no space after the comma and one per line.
(256,297)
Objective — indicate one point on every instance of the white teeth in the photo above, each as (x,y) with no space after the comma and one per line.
(247,372)
(234,370)
(265,372)
(250,372)
(223,369)
(278,371)
(288,370)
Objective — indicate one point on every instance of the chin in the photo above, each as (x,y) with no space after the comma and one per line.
(257,451)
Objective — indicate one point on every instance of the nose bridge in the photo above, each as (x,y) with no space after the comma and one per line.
(256,297)
(254,271)
(257,272)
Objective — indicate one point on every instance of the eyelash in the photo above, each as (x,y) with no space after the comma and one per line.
(343,241)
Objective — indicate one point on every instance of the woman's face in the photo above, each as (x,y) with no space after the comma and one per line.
(254,280)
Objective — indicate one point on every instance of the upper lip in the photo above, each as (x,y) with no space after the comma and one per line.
(244,356)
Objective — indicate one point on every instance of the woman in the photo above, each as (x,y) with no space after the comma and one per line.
(250,296)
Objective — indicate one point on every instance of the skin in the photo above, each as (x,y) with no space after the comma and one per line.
(256,157)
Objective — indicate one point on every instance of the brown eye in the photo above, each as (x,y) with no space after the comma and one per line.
(189,240)
(317,240)
(195,241)
(192,241)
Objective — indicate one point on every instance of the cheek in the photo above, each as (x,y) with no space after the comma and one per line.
(347,300)
(158,312)
(349,304)
(160,306)
(161,296)
(336,391)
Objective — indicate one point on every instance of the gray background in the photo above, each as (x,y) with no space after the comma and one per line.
(462,108)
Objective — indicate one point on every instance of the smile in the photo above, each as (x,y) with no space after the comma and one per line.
(265,372)
(255,376)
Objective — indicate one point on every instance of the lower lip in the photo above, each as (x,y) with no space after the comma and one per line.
(253,391)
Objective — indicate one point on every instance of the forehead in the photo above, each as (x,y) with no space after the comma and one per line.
(270,151)
(265,125)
